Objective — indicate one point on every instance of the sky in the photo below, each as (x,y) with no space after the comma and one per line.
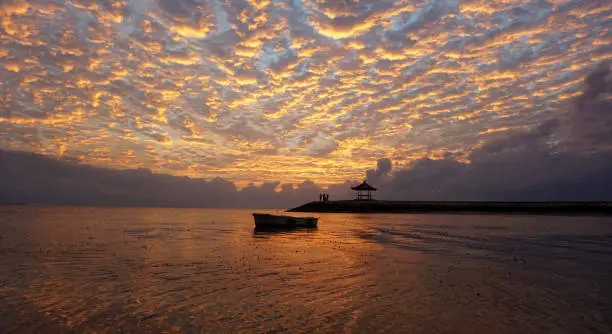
(434,99)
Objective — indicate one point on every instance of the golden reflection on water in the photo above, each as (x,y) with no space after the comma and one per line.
(82,268)
(174,270)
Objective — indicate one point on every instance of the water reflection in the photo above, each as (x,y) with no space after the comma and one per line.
(259,231)
(104,269)
(153,270)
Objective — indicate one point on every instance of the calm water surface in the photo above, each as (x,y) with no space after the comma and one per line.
(78,269)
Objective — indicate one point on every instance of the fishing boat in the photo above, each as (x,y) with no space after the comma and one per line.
(264,220)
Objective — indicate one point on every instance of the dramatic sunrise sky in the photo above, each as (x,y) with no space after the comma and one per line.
(255,91)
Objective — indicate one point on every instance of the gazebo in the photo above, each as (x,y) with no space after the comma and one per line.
(364,191)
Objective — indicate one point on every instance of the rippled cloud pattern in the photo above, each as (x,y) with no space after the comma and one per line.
(256,91)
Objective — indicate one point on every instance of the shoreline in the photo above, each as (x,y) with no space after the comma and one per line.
(375,206)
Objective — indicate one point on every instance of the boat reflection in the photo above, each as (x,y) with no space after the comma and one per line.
(282,230)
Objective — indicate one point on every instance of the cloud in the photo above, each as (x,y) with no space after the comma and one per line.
(567,158)
(539,164)
(323,88)
(592,116)
(37,179)
(381,173)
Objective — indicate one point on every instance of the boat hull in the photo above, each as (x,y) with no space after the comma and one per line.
(264,220)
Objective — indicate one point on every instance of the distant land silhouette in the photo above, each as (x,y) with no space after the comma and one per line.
(374,206)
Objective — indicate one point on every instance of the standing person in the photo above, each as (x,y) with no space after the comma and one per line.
(320,197)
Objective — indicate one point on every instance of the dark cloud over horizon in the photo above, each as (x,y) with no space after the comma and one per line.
(561,159)
(37,179)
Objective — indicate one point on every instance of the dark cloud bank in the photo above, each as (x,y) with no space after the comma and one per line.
(569,158)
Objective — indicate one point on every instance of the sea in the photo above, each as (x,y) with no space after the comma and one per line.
(153,270)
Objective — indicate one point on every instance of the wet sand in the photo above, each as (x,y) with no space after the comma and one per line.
(110,270)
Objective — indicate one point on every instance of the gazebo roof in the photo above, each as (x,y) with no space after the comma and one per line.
(364,186)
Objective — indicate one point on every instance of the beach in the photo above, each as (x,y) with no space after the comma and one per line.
(110,270)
